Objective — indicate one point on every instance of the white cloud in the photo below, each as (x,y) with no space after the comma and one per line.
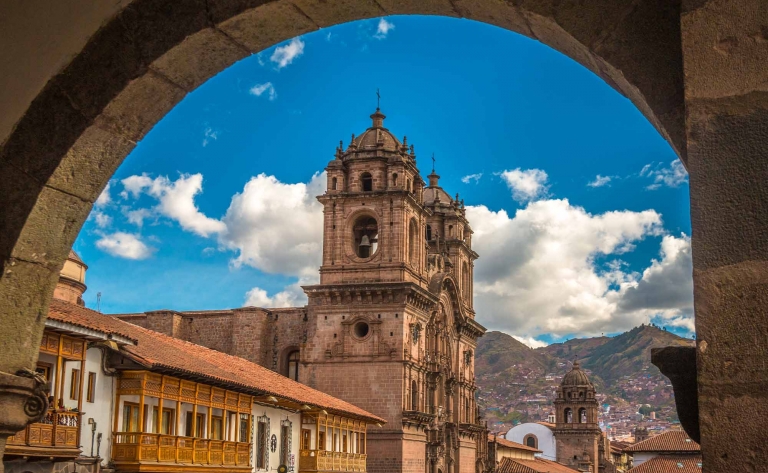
(284,55)
(133,185)
(176,201)
(538,271)
(600,181)
(383,28)
(665,290)
(291,296)
(530,341)
(259,89)
(124,245)
(472,177)
(104,198)
(137,216)
(672,176)
(102,220)
(209,135)
(527,185)
(277,227)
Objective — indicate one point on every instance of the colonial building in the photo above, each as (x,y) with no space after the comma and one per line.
(391,325)
(575,439)
(500,448)
(154,403)
(669,451)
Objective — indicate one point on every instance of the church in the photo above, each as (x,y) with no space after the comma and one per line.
(391,326)
(575,438)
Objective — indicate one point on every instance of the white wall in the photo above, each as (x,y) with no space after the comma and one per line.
(275,416)
(544,435)
(101,410)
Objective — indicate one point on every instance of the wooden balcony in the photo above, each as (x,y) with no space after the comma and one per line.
(323,460)
(57,435)
(135,451)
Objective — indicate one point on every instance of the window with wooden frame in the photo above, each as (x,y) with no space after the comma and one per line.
(344,443)
(362,443)
(306,435)
(130,417)
(91,393)
(199,426)
(166,423)
(244,424)
(74,385)
(261,445)
(321,440)
(217,424)
(335,446)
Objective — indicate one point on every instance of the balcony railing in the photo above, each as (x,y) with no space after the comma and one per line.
(323,460)
(132,447)
(57,429)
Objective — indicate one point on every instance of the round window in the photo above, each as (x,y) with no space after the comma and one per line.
(361,329)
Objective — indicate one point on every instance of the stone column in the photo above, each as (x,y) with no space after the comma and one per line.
(725,53)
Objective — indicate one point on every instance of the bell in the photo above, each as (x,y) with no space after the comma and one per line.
(365,242)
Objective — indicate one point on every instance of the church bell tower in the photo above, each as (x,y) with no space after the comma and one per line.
(577,432)
(391,324)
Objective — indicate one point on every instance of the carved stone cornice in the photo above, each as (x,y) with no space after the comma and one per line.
(23,400)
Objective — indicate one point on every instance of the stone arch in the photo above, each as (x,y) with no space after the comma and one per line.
(145,58)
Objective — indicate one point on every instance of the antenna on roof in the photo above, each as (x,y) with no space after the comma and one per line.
(98,302)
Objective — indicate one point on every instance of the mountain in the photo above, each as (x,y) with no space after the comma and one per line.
(518,383)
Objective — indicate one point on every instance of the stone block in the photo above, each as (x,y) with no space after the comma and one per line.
(726,48)
(728,164)
(25,289)
(51,228)
(159,25)
(90,163)
(342,11)
(423,7)
(139,106)
(50,127)
(198,58)
(500,14)
(263,27)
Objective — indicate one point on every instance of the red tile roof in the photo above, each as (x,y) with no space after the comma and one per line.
(549,425)
(538,465)
(157,351)
(80,316)
(671,441)
(510,444)
(670,464)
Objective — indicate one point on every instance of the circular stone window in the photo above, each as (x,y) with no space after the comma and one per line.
(361,329)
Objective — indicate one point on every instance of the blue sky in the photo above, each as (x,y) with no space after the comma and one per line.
(580,208)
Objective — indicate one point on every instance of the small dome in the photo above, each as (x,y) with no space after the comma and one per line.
(575,377)
(371,138)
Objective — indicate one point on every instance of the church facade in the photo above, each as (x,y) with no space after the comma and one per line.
(391,326)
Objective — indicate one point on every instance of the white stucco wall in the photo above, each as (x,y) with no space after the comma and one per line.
(544,435)
(101,410)
(276,416)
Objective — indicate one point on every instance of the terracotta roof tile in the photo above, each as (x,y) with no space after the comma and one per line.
(670,464)
(80,316)
(510,444)
(670,441)
(157,351)
(537,465)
